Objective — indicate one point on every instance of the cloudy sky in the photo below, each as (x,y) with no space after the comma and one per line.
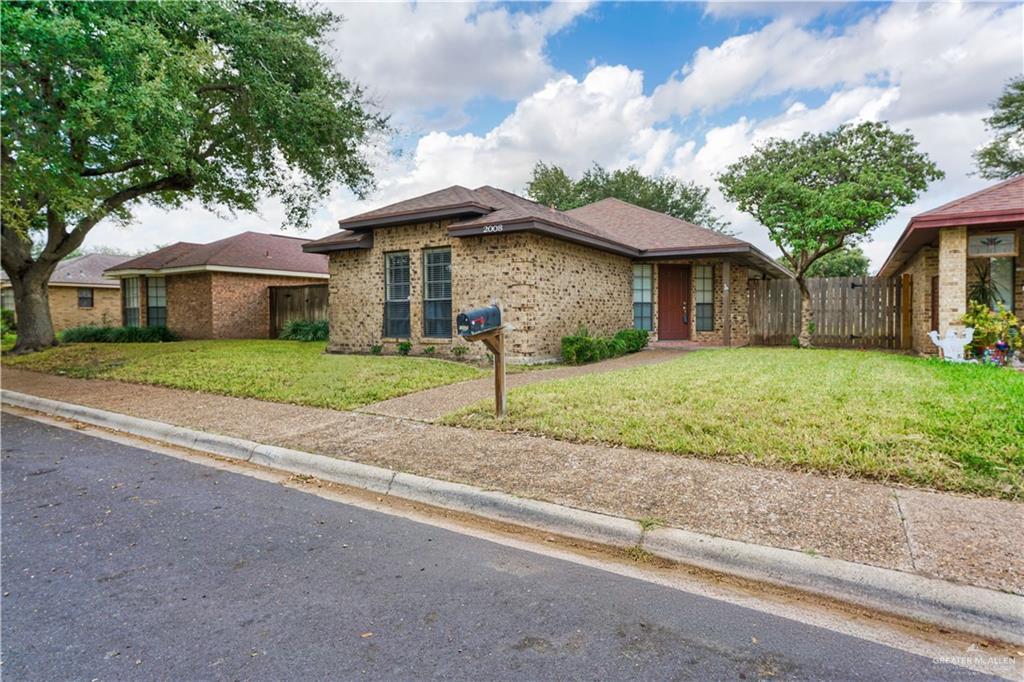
(480,92)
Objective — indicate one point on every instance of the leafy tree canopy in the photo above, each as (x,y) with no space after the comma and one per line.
(821,192)
(1003,157)
(223,101)
(552,186)
(849,261)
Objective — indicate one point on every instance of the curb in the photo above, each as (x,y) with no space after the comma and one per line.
(964,608)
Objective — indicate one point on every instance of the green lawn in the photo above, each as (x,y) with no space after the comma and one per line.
(865,414)
(283,371)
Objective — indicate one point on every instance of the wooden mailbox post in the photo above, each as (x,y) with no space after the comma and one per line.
(485,325)
(494,339)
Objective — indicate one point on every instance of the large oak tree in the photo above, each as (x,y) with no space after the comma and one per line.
(822,192)
(107,103)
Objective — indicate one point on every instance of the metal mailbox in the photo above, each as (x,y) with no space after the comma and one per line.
(478,320)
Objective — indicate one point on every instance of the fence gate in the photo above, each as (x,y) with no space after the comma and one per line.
(849,312)
(299,302)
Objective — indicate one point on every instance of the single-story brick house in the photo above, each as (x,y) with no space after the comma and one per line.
(401,272)
(79,293)
(942,251)
(218,290)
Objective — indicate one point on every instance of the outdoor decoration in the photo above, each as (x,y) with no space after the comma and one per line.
(997,333)
(952,346)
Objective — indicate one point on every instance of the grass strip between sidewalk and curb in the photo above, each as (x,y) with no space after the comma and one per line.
(962,608)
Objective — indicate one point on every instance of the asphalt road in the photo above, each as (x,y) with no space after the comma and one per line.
(120,563)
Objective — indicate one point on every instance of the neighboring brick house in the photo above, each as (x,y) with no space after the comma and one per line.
(942,251)
(218,290)
(79,293)
(402,272)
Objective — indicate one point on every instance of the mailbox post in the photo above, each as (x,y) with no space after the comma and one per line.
(484,325)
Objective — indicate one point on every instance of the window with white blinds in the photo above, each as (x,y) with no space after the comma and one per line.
(396,295)
(437,293)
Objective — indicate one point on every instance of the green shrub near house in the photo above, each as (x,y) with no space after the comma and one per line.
(581,348)
(93,334)
(305,330)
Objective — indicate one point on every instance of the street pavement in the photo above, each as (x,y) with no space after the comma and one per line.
(121,563)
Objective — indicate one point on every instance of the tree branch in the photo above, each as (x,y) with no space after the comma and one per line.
(96,172)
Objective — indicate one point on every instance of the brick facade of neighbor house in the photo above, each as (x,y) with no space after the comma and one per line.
(66,313)
(935,245)
(546,288)
(221,290)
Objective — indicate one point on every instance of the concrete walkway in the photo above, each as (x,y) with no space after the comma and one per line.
(432,404)
(969,540)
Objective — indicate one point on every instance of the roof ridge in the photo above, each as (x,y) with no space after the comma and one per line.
(961,200)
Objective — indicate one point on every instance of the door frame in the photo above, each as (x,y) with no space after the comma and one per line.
(686,278)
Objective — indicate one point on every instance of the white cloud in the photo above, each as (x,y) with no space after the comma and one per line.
(431,58)
(943,55)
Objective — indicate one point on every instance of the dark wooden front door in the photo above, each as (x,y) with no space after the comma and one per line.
(673,302)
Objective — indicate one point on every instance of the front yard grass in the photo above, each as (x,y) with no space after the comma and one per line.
(282,371)
(863,414)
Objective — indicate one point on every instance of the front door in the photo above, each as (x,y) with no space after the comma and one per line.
(673,302)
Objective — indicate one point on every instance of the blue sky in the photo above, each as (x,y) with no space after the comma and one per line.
(480,92)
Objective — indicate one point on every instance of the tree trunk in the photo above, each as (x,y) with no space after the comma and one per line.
(806,314)
(32,305)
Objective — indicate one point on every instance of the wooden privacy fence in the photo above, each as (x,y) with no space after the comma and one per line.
(299,302)
(851,312)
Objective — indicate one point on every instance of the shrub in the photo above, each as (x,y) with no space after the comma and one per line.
(376,349)
(429,350)
(404,347)
(459,351)
(305,330)
(992,327)
(7,322)
(635,339)
(92,334)
(581,347)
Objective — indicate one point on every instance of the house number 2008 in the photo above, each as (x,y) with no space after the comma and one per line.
(493,228)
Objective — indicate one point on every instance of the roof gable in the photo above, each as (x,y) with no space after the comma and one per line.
(86,270)
(1004,196)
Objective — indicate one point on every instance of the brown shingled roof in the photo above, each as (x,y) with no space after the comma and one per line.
(451,200)
(1005,196)
(247,250)
(647,230)
(83,271)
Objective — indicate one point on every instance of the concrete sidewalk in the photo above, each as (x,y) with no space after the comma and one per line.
(434,403)
(968,540)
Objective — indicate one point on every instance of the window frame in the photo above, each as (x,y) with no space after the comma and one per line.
(391,304)
(1011,290)
(644,273)
(704,310)
(1010,253)
(156,315)
(91,297)
(430,302)
(4,294)
(128,286)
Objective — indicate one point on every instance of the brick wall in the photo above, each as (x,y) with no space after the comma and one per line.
(547,288)
(189,305)
(738,299)
(241,303)
(65,313)
(952,277)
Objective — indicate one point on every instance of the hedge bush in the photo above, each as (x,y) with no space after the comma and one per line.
(581,348)
(305,330)
(92,334)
